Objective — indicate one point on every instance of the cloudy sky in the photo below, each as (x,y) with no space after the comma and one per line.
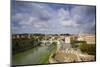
(31,17)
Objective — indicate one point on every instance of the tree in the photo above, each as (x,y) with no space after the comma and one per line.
(88,48)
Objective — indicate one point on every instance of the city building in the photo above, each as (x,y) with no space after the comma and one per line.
(67,39)
(89,38)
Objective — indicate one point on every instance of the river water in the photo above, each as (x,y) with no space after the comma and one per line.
(38,55)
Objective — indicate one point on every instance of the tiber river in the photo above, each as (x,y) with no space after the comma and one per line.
(38,55)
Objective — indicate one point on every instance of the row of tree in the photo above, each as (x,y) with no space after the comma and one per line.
(19,45)
(88,48)
(84,47)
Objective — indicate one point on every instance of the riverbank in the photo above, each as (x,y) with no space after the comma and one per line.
(39,55)
(71,55)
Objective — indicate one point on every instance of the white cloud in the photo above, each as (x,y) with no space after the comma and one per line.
(63,14)
(69,23)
